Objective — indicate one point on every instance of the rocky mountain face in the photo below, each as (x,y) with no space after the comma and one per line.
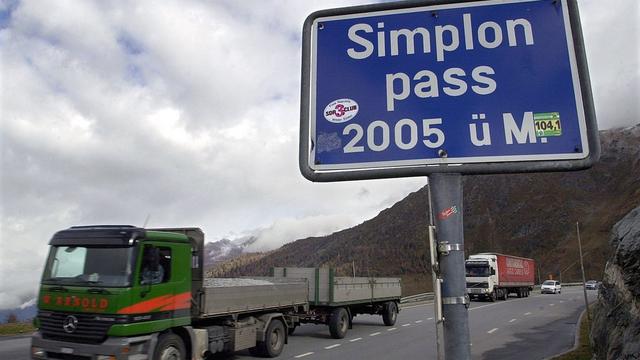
(615,332)
(531,215)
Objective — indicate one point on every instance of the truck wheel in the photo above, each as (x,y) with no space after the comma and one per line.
(390,313)
(339,323)
(273,341)
(493,296)
(170,347)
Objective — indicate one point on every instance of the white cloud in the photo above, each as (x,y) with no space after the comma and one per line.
(285,230)
(188,111)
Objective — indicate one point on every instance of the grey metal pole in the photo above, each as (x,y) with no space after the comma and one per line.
(435,277)
(584,280)
(447,206)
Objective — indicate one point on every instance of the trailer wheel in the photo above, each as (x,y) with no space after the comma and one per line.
(170,347)
(339,323)
(390,313)
(273,341)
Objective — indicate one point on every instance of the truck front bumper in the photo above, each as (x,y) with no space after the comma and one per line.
(113,348)
(476,291)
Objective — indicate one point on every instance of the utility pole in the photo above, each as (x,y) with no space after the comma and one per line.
(584,280)
(447,204)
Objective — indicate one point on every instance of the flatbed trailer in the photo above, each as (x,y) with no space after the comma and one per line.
(335,301)
(150,300)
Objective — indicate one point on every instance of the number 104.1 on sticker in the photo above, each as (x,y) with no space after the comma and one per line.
(547,124)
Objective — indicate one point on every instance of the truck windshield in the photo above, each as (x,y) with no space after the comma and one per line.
(78,265)
(478,270)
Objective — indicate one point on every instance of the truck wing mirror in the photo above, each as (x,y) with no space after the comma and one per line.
(493,271)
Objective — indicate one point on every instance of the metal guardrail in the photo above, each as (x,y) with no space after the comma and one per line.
(417,298)
(429,295)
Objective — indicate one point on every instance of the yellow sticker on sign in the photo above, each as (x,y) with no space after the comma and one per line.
(547,124)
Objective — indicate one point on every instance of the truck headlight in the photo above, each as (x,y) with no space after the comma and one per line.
(37,352)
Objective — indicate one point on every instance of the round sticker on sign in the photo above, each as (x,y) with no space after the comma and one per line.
(341,110)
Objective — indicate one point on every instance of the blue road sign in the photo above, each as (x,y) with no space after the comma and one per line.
(474,87)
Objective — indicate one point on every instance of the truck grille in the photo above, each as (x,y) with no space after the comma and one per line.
(87,328)
(476,285)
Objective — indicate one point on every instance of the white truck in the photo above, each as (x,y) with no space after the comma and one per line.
(494,276)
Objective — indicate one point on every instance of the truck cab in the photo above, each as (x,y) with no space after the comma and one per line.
(481,276)
(110,290)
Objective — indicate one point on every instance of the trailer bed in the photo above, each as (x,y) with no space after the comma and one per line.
(225,296)
(326,289)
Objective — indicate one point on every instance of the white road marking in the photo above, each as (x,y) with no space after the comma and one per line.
(374,334)
(561,301)
(332,346)
(512,320)
(392,329)
(406,324)
(527,313)
(430,319)
(552,304)
(303,355)
(356,339)
(492,331)
(418,321)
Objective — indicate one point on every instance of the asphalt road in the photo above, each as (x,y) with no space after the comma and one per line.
(536,327)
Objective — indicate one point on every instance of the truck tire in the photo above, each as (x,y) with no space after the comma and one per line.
(273,342)
(339,323)
(170,347)
(390,314)
(493,296)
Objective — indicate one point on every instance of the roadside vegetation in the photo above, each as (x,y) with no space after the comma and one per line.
(16,328)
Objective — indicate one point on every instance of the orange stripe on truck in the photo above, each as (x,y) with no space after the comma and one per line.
(160,303)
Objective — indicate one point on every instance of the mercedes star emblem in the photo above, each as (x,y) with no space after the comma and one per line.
(70,324)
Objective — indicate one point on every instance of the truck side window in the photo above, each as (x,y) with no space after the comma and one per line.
(162,274)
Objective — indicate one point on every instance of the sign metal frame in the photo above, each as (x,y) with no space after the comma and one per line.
(542,163)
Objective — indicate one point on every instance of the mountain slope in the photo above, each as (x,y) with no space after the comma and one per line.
(532,215)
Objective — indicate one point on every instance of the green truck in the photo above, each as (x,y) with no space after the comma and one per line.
(123,292)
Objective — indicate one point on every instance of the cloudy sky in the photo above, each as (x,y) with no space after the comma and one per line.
(186,112)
